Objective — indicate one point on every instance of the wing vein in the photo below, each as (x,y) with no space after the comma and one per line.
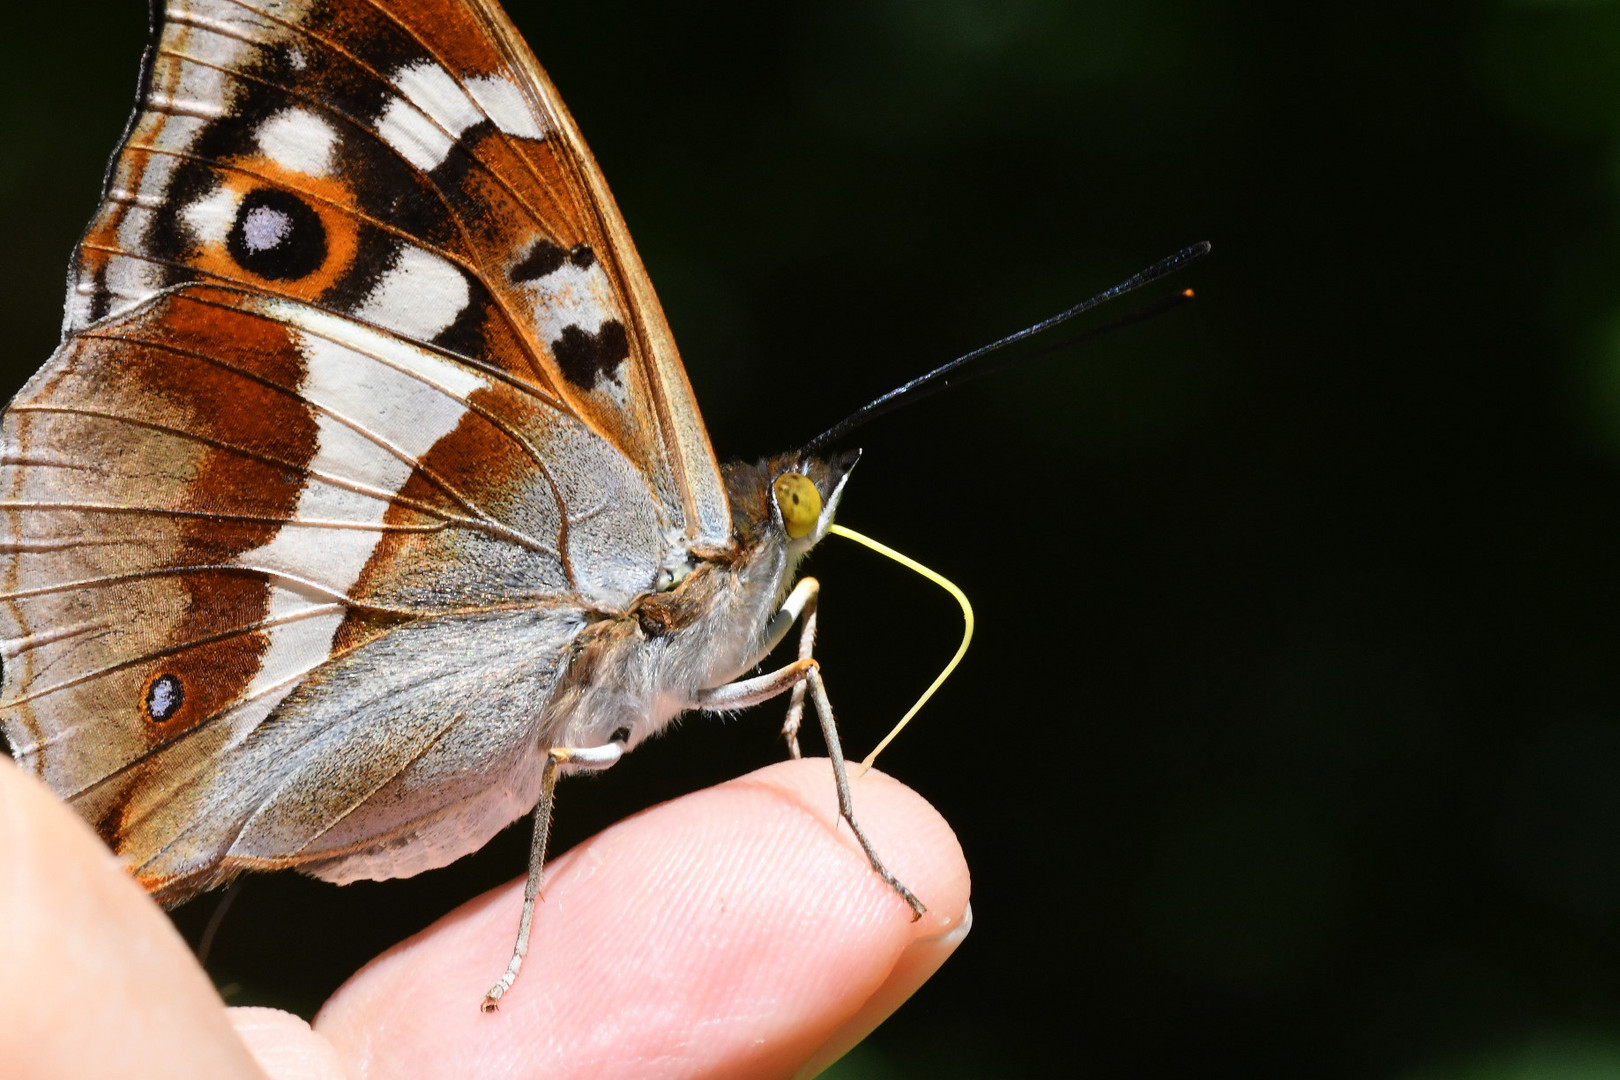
(478,523)
(215,515)
(102,581)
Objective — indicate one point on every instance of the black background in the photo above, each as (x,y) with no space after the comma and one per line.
(1289,742)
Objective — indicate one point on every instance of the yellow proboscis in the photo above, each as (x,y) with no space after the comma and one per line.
(961,650)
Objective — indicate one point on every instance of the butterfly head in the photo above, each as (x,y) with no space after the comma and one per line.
(790,498)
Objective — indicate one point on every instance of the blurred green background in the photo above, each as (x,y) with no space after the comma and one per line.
(1290,742)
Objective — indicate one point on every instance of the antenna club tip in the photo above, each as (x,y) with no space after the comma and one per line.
(1188,254)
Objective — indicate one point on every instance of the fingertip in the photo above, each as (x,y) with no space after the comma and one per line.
(922,851)
(914,840)
(916,965)
(736,931)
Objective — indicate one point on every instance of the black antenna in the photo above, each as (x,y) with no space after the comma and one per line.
(1142,314)
(908,392)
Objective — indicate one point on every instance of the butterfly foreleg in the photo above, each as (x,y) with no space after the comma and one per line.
(591,758)
(801,602)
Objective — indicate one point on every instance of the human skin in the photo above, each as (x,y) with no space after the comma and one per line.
(735,932)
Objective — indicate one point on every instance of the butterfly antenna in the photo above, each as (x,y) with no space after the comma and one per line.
(1141,314)
(934,381)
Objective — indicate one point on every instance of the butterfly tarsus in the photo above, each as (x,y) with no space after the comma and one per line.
(846,804)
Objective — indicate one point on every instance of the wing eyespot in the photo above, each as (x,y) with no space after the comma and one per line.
(163,698)
(277,236)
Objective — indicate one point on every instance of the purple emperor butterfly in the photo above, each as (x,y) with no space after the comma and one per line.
(366,493)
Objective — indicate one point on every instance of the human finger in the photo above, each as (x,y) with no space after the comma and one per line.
(738,931)
(96,980)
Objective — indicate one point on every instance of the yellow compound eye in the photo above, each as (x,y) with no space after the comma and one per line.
(800,502)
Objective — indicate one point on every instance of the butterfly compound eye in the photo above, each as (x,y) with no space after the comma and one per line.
(800,503)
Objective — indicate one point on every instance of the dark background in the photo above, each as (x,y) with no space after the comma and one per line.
(1290,741)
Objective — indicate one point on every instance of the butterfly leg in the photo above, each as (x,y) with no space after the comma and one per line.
(746,693)
(805,672)
(846,805)
(595,757)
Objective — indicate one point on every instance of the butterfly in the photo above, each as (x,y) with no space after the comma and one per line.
(366,494)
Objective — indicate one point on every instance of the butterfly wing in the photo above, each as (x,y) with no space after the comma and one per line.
(364,404)
(405,163)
